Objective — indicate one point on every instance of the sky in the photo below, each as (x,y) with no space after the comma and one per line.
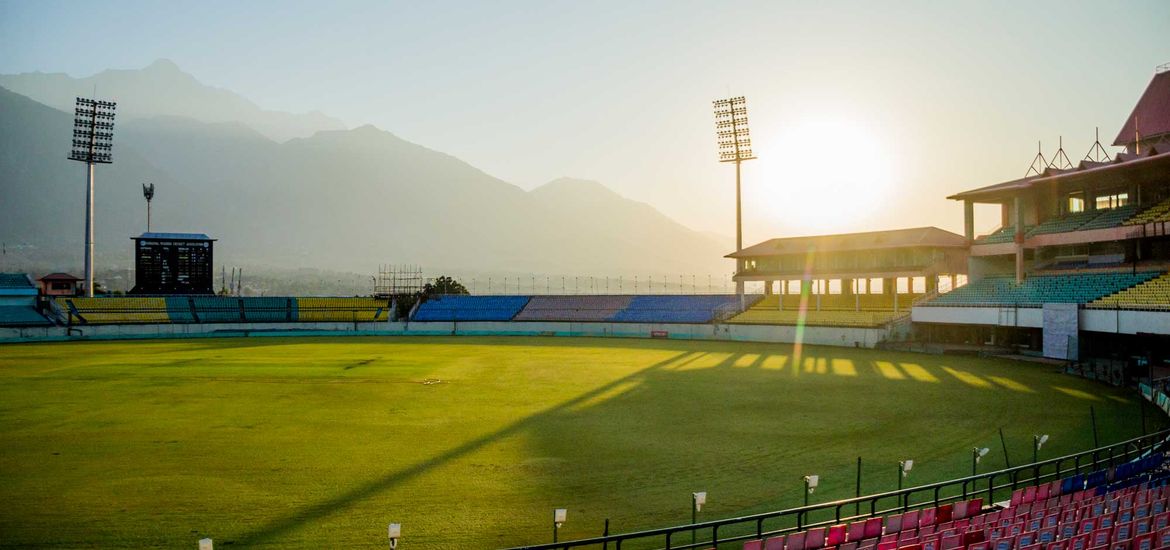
(864,115)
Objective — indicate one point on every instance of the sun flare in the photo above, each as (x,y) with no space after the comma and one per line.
(823,173)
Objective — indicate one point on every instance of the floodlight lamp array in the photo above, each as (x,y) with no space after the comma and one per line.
(93,131)
(731,124)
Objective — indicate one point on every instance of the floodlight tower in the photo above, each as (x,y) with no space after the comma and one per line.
(93,137)
(735,145)
(148,194)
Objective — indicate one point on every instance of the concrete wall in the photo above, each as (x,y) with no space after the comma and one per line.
(1096,320)
(829,336)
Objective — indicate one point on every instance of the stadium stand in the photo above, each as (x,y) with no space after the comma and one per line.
(114,310)
(21,316)
(1060,224)
(180,310)
(341,309)
(1078,288)
(698,308)
(470,308)
(1152,294)
(268,309)
(1158,213)
(217,309)
(1111,218)
(860,319)
(1123,508)
(573,308)
(1004,234)
(18,302)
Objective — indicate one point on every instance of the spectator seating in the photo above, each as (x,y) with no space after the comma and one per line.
(831,318)
(1061,224)
(1152,294)
(457,307)
(678,308)
(217,309)
(573,308)
(268,310)
(341,309)
(22,316)
(179,309)
(15,281)
(1158,213)
(1111,218)
(1083,512)
(1075,288)
(115,310)
(840,302)
(1005,234)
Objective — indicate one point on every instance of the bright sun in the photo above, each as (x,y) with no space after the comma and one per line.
(822,174)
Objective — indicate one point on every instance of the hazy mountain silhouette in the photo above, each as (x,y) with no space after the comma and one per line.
(161,88)
(340,199)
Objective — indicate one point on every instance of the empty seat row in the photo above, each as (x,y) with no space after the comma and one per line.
(1076,288)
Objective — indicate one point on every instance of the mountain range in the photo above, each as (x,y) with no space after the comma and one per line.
(291,191)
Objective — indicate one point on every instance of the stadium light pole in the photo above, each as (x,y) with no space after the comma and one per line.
(735,145)
(93,141)
(148,194)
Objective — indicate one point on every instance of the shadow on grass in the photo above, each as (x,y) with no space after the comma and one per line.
(725,416)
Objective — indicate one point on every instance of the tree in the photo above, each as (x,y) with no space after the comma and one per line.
(444,285)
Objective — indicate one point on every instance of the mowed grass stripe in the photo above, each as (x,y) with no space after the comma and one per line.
(470,442)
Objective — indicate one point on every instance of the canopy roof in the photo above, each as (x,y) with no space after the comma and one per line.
(871,240)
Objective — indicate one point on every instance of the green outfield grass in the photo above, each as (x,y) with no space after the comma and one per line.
(471,442)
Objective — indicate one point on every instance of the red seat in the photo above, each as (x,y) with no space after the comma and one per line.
(1057,545)
(1005,543)
(944,513)
(1017,498)
(1161,521)
(981,545)
(774,543)
(796,541)
(911,547)
(1042,491)
(1143,542)
(972,537)
(1029,494)
(852,545)
(873,527)
(951,542)
(835,535)
(753,545)
(893,523)
(887,546)
(856,531)
(1101,537)
(815,539)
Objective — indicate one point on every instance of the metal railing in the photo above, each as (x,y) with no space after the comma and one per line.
(1002,482)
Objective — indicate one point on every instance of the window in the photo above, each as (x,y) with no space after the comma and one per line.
(834,286)
(902,285)
(875,286)
(1076,202)
(1115,200)
(918,285)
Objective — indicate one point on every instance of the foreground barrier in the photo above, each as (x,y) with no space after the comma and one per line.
(1090,467)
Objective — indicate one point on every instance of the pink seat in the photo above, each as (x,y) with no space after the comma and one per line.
(893,524)
(856,531)
(774,543)
(753,545)
(815,539)
(928,516)
(796,541)
(873,527)
(835,535)
(1029,494)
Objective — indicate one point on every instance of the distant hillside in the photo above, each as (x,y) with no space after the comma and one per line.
(161,88)
(338,200)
